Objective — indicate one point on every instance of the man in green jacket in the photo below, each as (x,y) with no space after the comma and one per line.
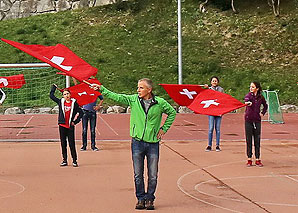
(146,132)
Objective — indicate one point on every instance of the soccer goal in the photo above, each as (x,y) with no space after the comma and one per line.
(274,111)
(39,78)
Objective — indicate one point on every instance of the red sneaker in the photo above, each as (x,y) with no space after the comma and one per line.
(249,163)
(259,163)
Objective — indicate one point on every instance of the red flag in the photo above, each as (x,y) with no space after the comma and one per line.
(83,93)
(59,57)
(14,81)
(210,102)
(182,94)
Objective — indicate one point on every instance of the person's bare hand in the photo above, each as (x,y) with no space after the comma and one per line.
(248,103)
(95,86)
(96,108)
(160,134)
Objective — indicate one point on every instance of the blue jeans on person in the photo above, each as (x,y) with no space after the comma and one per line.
(140,150)
(89,116)
(214,121)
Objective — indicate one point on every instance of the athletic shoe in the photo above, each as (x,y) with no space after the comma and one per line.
(249,163)
(208,149)
(141,204)
(64,163)
(150,205)
(83,148)
(95,149)
(75,164)
(259,163)
(218,149)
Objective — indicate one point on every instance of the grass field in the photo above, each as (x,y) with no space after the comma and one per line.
(136,39)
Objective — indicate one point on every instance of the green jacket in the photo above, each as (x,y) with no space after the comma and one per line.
(144,126)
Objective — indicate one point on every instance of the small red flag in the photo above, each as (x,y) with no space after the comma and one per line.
(182,94)
(14,81)
(210,102)
(83,93)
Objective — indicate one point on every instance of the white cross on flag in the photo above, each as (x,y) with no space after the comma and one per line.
(83,93)
(59,57)
(210,102)
(182,94)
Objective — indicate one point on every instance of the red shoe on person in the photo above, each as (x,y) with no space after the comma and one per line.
(259,163)
(249,163)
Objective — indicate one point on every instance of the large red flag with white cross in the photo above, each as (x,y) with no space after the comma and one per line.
(59,57)
(182,94)
(13,81)
(83,93)
(210,102)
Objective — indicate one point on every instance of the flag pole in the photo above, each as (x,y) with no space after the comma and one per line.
(179,44)
(67,82)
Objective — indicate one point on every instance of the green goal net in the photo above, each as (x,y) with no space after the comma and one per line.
(274,110)
(35,93)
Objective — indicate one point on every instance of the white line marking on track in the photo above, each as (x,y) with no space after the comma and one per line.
(25,125)
(182,130)
(16,193)
(244,201)
(190,122)
(203,201)
(108,125)
(179,184)
(289,176)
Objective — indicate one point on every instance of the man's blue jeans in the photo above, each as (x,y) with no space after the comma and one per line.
(89,116)
(214,121)
(140,150)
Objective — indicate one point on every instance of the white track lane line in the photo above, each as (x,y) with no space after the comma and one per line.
(179,184)
(25,125)
(289,176)
(108,125)
(244,201)
(16,193)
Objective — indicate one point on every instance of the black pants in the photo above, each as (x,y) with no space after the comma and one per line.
(253,130)
(68,134)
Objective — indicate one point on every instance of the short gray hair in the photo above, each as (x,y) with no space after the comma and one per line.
(148,82)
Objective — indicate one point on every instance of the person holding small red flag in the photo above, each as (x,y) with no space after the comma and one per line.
(68,109)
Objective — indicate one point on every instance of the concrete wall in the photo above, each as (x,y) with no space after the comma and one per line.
(11,9)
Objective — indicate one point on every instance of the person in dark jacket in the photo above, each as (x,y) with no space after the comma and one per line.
(254,99)
(68,109)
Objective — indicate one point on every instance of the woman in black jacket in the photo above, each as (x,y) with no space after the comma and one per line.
(68,108)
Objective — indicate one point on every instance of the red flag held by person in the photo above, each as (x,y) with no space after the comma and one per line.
(13,82)
(59,57)
(182,94)
(83,93)
(210,102)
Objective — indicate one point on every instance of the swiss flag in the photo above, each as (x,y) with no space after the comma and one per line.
(83,93)
(14,81)
(59,57)
(210,102)
(183,94)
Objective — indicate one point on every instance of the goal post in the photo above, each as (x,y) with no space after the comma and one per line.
(35,93)
(274,111)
